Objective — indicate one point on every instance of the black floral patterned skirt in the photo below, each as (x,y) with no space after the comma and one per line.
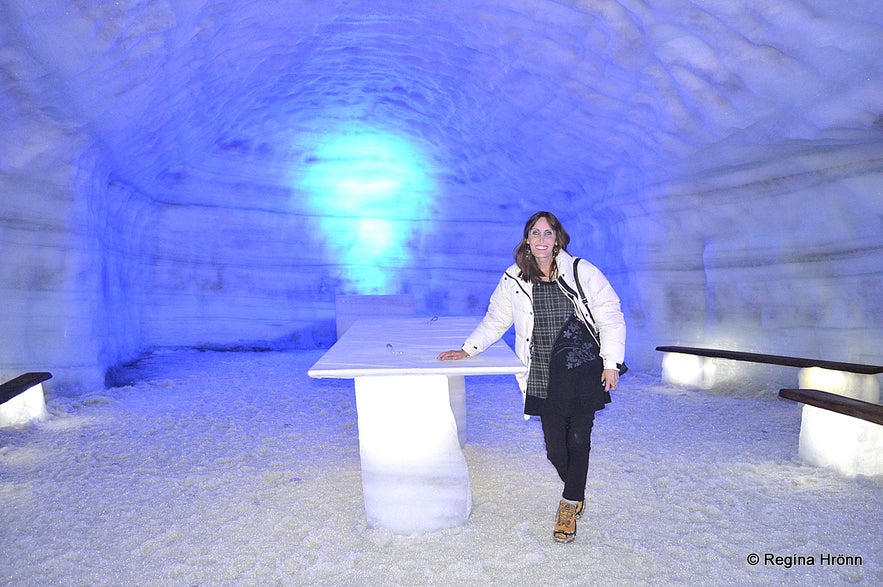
(575,369)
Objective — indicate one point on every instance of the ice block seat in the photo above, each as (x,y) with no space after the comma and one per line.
(411,411)
(839,432)
(22,400)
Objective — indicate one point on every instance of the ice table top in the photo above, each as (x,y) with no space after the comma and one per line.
(409,346)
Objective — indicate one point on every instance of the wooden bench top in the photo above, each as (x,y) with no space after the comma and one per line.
(773,359)
(20,384)
(836,403)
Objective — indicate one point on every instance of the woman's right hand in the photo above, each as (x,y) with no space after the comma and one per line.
(452,355)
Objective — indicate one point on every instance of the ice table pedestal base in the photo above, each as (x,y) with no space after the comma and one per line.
(414,475)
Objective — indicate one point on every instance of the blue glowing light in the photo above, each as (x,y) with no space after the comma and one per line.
(370,190)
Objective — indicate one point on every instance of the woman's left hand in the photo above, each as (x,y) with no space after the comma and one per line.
(610,379)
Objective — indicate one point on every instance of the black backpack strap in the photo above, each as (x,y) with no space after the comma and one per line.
(579,287)
(585,301)
(621,366)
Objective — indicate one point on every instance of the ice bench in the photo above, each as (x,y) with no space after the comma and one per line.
(842,430)
(773,359)
(839,432)
(22,400)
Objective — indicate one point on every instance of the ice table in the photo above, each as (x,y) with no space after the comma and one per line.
(412,415)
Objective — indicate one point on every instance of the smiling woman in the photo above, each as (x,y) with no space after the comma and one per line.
(369,188)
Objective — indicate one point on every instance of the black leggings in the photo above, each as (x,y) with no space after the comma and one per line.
(568,442)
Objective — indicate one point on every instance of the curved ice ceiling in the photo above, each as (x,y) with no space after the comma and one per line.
(593,90)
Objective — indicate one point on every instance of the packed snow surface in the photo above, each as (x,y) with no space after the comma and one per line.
(215,468)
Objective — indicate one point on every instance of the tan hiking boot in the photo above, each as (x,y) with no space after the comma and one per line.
(565,525)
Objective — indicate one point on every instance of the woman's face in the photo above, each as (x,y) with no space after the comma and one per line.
(542,238)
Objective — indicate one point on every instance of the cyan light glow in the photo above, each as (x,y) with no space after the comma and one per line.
(370,191)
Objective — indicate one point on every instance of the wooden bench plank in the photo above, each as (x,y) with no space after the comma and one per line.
(773,359)
(21,384)
(836,403)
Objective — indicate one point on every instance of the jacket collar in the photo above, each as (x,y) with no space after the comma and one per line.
(565,267)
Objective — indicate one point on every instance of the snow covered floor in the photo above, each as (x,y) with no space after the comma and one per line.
(237,469)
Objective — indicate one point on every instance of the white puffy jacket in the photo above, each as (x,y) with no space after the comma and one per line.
(511,303)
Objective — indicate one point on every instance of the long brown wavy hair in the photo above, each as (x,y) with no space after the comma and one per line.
(530,271)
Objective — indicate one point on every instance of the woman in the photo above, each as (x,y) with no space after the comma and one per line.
(543,298)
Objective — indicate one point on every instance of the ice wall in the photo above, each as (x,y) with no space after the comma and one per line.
(720,160)
(782,251)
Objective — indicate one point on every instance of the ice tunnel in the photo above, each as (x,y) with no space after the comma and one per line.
(208,173)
